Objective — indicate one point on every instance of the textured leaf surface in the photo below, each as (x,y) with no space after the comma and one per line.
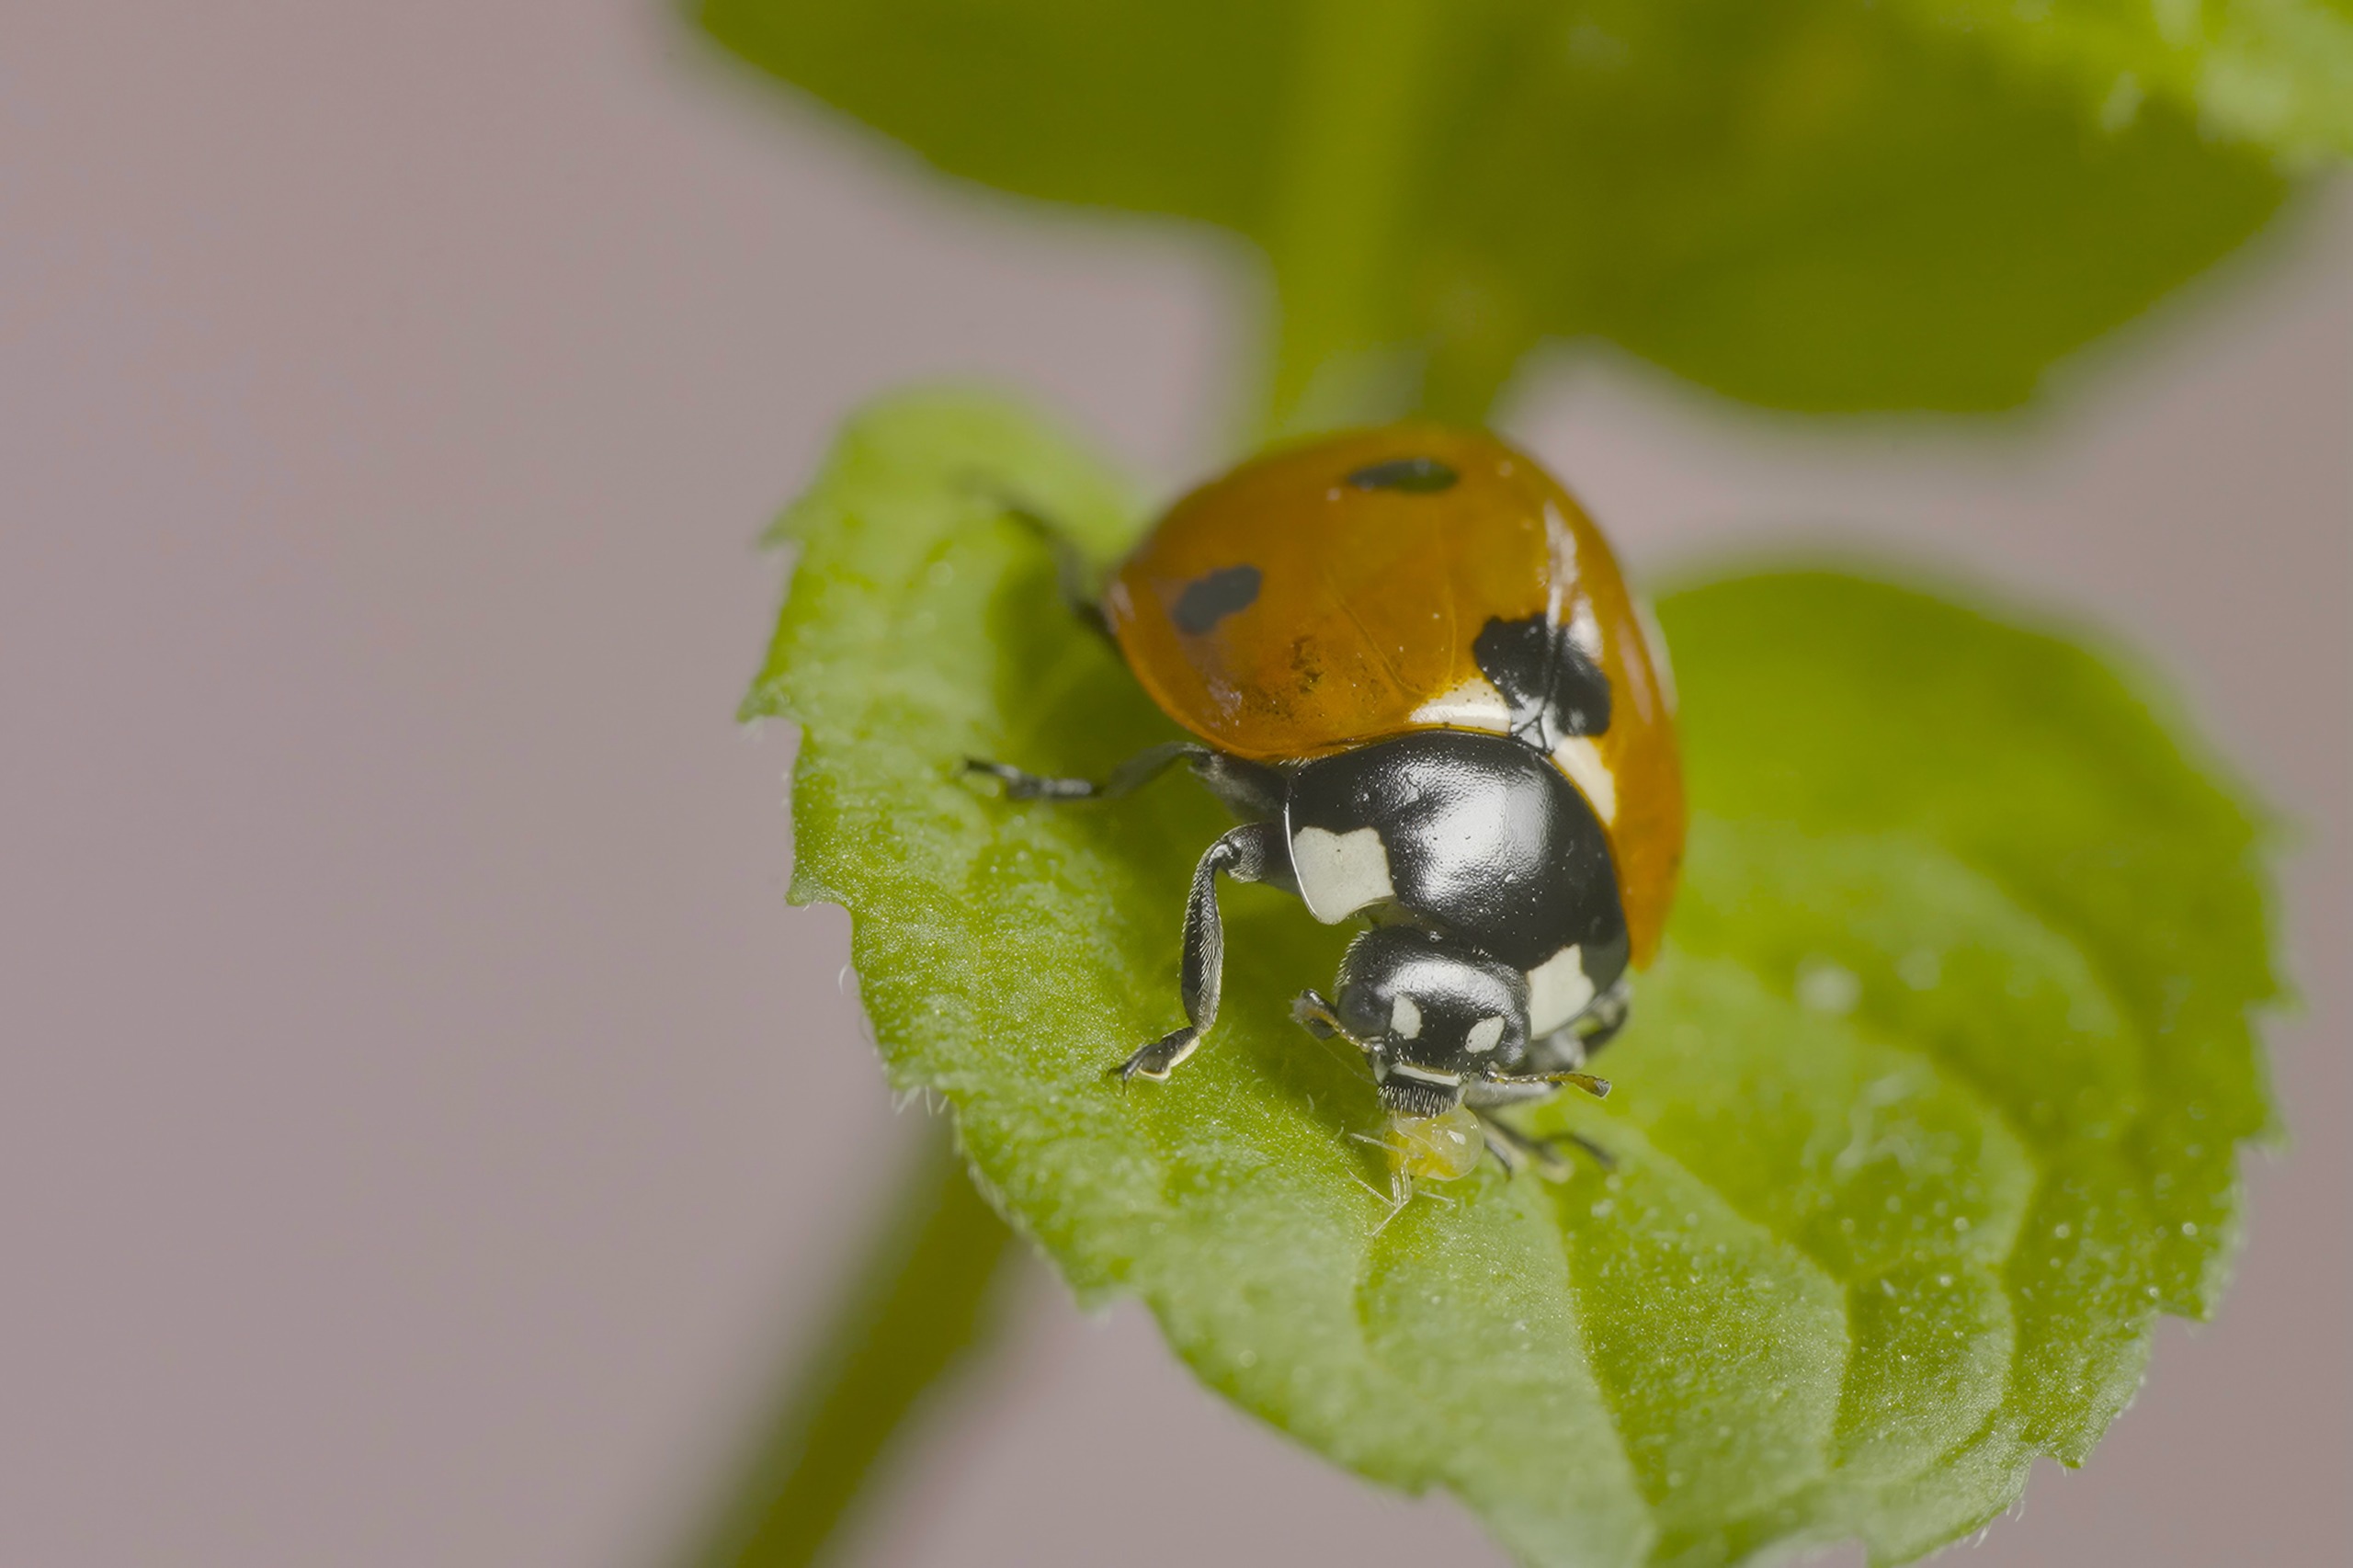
(1824,204)
(1931,1104)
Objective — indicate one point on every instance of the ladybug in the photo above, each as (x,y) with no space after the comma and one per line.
(1414,673)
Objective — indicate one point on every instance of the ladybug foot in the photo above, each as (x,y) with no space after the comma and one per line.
(1158,1059)
(1021,786)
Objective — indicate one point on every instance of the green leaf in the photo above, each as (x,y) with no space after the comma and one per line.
(1931,1104)
(1825,204)
(2275,72)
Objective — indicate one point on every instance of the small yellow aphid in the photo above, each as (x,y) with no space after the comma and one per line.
(1435,1148)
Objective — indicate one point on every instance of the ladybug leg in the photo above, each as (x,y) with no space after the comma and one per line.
(1515,1149)
(1569,1047)
(1249,791)
(1512,1147)
(1130,776)
(1077,576)
(1604,1016)
(1246,855)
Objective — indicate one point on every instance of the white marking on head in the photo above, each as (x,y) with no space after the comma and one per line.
(1340,873)
(1473,705)
(1484,1035)
(1558,989)
(1581,759)
(1426,1075)
(1405,1019)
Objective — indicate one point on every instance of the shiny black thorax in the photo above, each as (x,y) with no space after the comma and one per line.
(1495,959)
(1486,842)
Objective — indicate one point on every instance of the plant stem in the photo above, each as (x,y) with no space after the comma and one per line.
(1344,347)
(1478,332)
(1370,324)
(916,1311)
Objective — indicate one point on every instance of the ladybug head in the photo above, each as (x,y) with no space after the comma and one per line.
(1430,1013)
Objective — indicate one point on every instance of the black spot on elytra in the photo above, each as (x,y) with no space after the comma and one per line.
(1415,476)
(1211,597)
(1554,690)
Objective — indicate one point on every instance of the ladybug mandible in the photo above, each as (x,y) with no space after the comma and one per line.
(1418,679)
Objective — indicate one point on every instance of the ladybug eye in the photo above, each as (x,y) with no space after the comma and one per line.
(1415,476)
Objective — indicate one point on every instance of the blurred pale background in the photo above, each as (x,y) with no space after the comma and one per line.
(426,1135)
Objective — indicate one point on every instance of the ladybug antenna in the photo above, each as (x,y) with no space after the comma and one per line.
(1310,1012)
(1599,1087)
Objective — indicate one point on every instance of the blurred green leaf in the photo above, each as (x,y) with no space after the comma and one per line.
(1823,204)
(1932,1103)
(2276,72)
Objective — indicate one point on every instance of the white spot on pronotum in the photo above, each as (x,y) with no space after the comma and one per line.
(1405,1019)
(1581,760)
(1473,705)
(1340,873)
(1484,1035)
(1558,989)
(1827,987)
